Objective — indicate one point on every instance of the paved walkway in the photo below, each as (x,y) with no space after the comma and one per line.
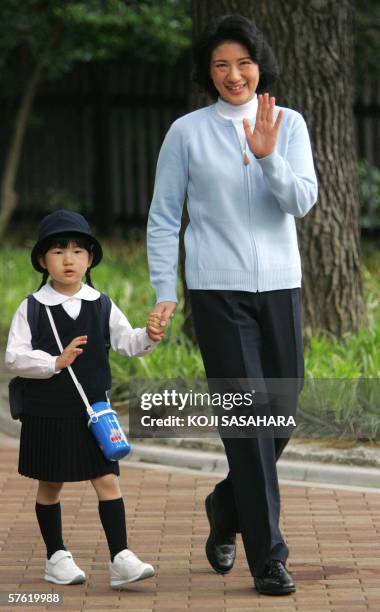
(333,535)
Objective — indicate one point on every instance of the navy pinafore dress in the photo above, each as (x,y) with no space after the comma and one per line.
(56,444)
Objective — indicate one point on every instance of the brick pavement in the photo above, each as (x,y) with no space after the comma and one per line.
(333,535)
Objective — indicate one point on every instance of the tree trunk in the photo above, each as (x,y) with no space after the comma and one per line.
(8,196)
(313,42)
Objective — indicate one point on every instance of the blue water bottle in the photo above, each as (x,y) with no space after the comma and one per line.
(108,432)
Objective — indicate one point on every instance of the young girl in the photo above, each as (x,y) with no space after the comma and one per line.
(56,445)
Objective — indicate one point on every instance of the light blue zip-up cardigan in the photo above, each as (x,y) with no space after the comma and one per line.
(242,232)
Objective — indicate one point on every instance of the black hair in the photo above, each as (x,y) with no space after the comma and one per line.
(45,276)
(239,29)
(62,242)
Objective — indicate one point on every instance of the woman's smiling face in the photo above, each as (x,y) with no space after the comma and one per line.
(234,73)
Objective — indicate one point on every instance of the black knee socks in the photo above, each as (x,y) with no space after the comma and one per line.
(112,516)
(49,520)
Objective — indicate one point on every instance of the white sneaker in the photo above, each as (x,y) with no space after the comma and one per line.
(62,569)
(126,567)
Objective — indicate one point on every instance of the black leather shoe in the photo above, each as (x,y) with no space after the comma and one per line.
(275,580)
(220,547)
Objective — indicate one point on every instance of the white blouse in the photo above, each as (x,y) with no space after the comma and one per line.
(28,363)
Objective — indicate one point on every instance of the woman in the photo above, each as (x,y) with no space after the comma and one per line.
(246,168)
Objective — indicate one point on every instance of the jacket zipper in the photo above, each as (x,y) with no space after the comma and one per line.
(247,186)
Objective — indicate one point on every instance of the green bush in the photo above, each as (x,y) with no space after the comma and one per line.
(342,405)
(369,190)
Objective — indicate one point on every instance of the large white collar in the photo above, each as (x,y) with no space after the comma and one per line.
(237,112)
(50,297)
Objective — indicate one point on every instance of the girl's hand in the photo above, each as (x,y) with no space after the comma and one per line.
(70,353)
(262,139)
(165,310)
(154,329)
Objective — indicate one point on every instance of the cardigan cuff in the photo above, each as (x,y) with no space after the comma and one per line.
(166,292)
(269,163)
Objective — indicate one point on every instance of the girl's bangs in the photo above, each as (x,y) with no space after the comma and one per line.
(62,242)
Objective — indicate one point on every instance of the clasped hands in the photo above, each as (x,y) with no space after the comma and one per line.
(155,328)
(158,319)
(262,139)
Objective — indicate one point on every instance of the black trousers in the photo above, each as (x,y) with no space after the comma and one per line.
(251,335)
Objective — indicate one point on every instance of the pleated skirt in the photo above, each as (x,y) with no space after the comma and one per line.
(61,450)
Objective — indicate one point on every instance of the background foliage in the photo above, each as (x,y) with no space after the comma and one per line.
(346,402)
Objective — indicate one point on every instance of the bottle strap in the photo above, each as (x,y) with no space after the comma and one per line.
(81,392)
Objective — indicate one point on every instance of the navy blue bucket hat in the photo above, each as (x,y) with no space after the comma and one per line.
(60,223)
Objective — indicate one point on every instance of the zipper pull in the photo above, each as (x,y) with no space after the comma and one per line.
(245,158)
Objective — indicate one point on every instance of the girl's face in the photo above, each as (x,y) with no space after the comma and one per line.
(234,73)
(66,266)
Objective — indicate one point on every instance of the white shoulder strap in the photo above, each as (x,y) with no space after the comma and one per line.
(90,411)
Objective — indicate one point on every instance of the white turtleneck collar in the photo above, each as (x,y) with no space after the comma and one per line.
(237,112)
